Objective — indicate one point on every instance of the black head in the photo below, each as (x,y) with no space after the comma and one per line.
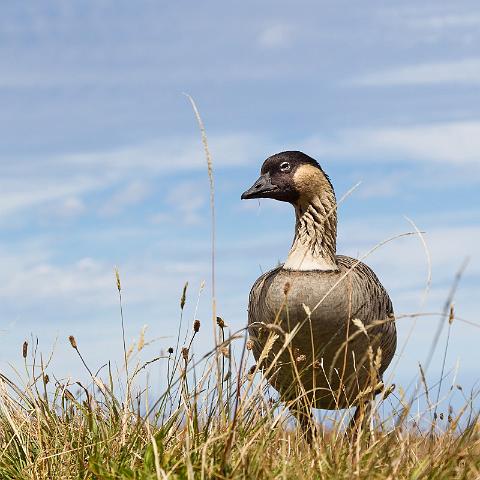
(277,179)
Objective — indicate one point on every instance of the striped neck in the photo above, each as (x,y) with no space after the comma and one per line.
(314,244)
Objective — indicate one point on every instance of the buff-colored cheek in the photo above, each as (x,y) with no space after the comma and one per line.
(309,180)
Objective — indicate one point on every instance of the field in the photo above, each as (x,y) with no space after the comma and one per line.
(216,419)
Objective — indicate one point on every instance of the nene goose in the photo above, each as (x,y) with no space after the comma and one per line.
(323,321)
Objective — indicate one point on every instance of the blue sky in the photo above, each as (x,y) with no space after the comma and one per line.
(101,162)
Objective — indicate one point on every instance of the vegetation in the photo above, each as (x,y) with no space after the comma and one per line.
(216,419)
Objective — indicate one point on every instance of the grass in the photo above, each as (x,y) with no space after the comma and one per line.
(203,427)
(216,418)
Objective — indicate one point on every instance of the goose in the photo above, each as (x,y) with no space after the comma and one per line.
(321,324)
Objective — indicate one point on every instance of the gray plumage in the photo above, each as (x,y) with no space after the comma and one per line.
(352,292)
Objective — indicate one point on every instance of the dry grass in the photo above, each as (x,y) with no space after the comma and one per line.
(52,429)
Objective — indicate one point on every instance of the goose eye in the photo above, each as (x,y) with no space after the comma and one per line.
(285,167)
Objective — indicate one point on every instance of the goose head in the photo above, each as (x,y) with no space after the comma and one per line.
(290,176)
(298,179)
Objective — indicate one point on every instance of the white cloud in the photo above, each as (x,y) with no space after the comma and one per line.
(381,186)
(77,282)
(54,181)
(164,155)
(19,192)
(276,35)
(129,195)
(457,142)
(453,142)
(59,184)
(448,24)
(466,72)
(403,261)
(34,279)
(65,208)
(186,200)
(447,21)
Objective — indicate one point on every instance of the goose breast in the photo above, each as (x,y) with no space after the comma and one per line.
(320,361)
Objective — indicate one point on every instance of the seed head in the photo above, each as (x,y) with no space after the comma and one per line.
(141,340)
(249,344)
(25,349)
(307,310)
(68,395)
(184,296)
(301,358)
(46,379)
(388,391)
(317,364)
(117,277)
(170,350)
(196,326)
(451,315)
(185,353)
(73,342)
(286,288)
(225,352)
(251,370)
(220,322)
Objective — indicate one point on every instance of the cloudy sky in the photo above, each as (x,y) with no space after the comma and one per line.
(101,162)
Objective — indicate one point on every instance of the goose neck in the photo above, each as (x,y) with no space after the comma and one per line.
(314,244)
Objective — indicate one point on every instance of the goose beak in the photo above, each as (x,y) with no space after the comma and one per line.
(262,188)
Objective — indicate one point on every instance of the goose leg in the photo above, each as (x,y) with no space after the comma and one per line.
(304,417)
(360,417)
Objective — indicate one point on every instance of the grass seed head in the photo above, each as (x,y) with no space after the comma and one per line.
(73,342)
(359,324)
(141,340)
(249,344)
(196,326)
(68,395)
(183,299)
(170,350)
(225,352)
(451,315)
(25,349)
(221,322)
(388,391)
(286,288)
(117,277)
(185,353)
